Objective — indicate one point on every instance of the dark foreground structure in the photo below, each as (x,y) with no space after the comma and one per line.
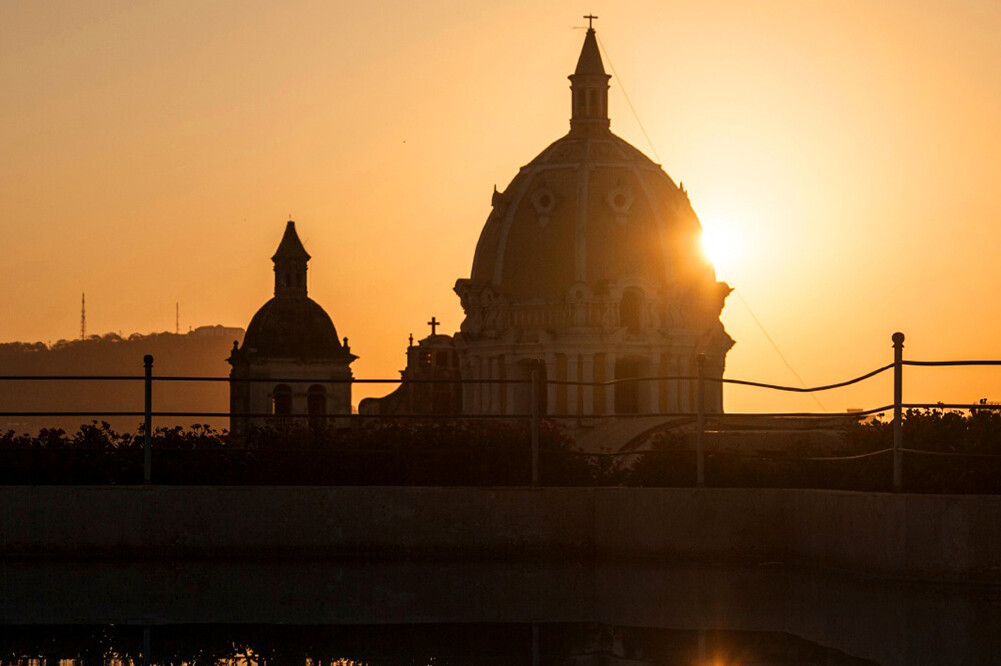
(919,537)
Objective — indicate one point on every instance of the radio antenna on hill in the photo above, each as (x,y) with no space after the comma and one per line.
(177,318)
(83,316)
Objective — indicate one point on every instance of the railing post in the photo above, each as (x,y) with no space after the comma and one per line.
(148,423)
(898,416)
(535,426)
(700,423)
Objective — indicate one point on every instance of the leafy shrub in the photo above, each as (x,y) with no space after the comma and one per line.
(863,462)
(387,453)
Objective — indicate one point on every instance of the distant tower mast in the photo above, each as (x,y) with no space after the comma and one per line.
(177,318)
(83,316)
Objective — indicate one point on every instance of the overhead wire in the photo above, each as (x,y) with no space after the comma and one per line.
(622,87)
(653,150)
(776,348)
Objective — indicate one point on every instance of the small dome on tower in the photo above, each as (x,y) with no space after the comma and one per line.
(292,328)
(291,325)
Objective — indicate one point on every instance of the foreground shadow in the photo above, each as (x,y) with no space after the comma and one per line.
(889,623)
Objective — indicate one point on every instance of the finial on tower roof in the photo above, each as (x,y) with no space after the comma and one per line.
(590,18)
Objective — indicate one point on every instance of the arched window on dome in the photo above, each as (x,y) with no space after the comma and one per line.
(316,405)
(631,310)
(281,400)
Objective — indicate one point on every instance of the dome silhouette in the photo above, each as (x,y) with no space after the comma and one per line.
(589,208)
(292,328)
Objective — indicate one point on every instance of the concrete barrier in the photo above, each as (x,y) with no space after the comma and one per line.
(929,537)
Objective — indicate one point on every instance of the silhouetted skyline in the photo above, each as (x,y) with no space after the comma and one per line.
(846,154)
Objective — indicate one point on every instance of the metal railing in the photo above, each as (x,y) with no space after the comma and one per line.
(536,385)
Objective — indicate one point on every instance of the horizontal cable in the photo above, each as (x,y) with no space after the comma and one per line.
(954,454)
(947,405)
(352,380)
(456,380)
(767,456)
(710,416)
(269,415)
(827,415)
(98,378)
(624,380)
(798,389)
(72,413)
(259,380)
(951,363)
(459,417)
(710,453)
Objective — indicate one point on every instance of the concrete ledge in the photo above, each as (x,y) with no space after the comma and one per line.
(926,537)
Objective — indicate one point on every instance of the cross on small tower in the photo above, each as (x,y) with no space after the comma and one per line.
(590,18)
(434,324)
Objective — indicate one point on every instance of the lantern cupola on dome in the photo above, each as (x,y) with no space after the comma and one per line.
(589,88)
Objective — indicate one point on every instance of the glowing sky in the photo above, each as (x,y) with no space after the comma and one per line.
(847,152)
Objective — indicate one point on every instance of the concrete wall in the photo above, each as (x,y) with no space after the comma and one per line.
(940,537)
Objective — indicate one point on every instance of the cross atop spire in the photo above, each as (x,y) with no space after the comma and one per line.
(590,18)
(434,324)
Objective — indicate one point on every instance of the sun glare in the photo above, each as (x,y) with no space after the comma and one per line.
(722,247)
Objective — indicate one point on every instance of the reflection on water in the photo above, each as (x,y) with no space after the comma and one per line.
(406,645)
(418,613)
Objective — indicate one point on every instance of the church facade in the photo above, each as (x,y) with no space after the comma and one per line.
(589,269)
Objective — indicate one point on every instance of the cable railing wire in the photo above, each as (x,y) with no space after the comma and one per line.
(700,417)
(953,454)
(952,363)
(949,405)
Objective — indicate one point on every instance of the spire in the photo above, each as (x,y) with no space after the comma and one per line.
(589,87)
(290,265)
(291,246)
(589,61)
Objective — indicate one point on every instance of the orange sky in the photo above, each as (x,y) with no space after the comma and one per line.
(849,152)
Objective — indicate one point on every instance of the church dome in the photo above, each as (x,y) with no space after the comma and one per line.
(292,328)
(590,209)
(291,325)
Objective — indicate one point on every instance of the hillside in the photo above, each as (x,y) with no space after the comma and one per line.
(199,353)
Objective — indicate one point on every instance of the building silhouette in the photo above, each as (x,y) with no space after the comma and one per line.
(290,337)
(589,268)
(430,384)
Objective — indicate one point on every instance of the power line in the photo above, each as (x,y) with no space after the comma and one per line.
(653,150)
(776,347)
(622,86)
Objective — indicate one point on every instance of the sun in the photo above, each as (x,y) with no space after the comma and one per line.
(722,246)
